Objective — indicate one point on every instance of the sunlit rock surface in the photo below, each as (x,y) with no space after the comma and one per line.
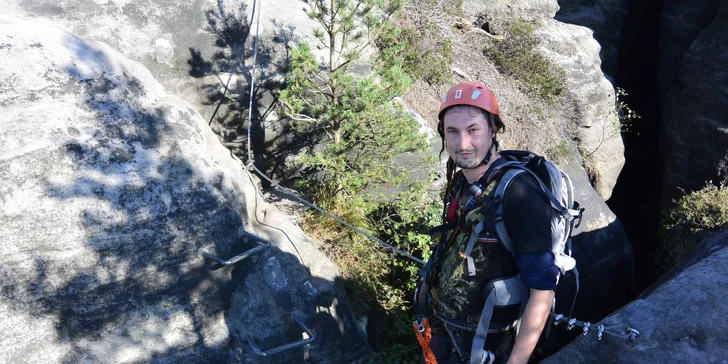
(682,318)
(109,188)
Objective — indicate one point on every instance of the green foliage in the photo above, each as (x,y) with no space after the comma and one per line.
(361,129)
(378,281)
(364,128)
(685,224)
(559,152)
(517,55)
(419,41)
(625,114)
(624,121)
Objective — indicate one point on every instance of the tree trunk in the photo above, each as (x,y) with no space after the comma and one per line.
(337,132)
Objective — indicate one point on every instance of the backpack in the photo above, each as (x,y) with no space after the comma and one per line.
(556,184)
(566,215)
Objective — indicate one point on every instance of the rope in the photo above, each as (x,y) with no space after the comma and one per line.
(424,335)
(271,226)
(251,162)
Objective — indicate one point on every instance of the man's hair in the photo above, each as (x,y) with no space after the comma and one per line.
(494,122)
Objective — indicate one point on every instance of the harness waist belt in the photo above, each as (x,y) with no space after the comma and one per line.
(473,327)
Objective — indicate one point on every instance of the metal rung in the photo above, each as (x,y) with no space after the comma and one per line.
(285,347)
(265,244)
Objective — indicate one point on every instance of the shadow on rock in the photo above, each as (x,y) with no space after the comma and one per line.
(106,266)
(229,72)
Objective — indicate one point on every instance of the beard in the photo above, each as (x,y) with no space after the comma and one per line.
(470,163)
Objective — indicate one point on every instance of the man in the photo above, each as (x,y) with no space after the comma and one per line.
(468,124)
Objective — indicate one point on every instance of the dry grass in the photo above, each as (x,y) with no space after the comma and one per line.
(531,123)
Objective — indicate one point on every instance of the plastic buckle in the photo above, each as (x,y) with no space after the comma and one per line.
(579,218)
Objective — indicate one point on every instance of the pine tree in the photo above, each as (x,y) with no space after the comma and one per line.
(363,127)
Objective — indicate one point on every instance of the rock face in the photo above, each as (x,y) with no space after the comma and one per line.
(591,95)
(682,318)
(109,188)
(593,102)
(603,255)
(499,11)
(605,18)
(162,35)
(693,95)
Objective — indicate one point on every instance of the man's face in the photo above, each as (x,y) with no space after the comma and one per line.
(467,136)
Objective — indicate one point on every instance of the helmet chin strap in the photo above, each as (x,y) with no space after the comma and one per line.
(486,160)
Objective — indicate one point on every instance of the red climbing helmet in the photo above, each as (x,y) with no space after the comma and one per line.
(470,93)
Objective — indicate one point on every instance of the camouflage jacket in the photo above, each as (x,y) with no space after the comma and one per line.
(458,295)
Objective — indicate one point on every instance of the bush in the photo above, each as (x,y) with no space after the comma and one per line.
(361,129)
(516,54)
(420,36)
(559,152)
(378,281)
(685,225)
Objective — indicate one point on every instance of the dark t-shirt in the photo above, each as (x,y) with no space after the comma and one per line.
(527,215)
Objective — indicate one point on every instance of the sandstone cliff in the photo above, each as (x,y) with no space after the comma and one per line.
(109,189)
(693,95)
(682,318)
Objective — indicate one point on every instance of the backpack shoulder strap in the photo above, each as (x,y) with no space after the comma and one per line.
(500,226)
(516,169)
(497,293)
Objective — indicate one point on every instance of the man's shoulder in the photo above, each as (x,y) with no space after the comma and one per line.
(523,181)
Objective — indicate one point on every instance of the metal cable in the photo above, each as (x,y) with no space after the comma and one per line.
(252,76)
(337,219)
(612,330)
(251,163)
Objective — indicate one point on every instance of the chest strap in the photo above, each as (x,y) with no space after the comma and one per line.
(471,243)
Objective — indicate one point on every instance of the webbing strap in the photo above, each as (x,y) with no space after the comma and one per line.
(502,292)
(555,203)
(471,243)
(573,302)
(422,293)
(500,226)
(477,353)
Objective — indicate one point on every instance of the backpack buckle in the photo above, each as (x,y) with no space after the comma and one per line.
(578,217)
(577,213)
(475,190)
